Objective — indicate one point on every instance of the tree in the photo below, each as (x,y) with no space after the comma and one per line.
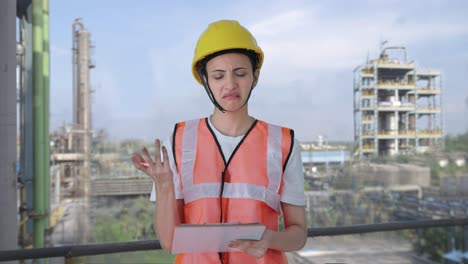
(131,220)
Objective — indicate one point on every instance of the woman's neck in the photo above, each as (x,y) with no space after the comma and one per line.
(232,124)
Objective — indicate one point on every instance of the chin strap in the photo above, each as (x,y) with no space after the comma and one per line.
(211,96)
(208,91)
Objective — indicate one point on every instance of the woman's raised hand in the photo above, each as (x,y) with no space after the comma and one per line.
(159,169)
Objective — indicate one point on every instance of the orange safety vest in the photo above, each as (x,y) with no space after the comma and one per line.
(251,181)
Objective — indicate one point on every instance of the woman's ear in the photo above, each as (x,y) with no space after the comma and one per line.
(256,75)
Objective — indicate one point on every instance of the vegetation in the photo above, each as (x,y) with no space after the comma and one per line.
(307,186)
(450,170)
(131,220)
(347,209)
(433,242)
(453,144)
(458,143)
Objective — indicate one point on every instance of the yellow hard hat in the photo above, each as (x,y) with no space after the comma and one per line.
(224,35)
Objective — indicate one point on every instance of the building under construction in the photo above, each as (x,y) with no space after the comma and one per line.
(397,107)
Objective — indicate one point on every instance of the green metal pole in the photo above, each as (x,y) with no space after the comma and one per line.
(38,112)
(46,76)
(27,124)
(8,180)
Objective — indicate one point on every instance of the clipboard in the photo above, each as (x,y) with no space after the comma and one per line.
(209,238)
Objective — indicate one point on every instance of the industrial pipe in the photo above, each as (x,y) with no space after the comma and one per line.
(8,181)
(46,80)
(39,211)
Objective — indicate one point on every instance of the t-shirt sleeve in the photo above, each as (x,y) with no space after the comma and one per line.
(177,181)
(293,179)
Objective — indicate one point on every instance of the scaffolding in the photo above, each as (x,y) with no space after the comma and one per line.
(397,107)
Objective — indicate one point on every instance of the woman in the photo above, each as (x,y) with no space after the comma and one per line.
(229,167)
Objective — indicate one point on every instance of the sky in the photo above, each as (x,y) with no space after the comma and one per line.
(142,84)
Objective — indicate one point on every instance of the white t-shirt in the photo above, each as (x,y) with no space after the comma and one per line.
(293,177)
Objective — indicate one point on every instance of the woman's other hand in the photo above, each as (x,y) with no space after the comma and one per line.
(159,169)
(256,248)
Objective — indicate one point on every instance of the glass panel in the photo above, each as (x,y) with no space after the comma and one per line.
(375,92)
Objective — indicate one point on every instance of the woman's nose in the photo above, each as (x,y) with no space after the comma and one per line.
(230,81)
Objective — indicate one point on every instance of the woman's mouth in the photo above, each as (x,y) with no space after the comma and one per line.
(231,96)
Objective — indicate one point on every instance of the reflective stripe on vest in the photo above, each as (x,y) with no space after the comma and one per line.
(252,182)
(269,195)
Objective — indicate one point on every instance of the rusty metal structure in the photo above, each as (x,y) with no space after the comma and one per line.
(71,144)
(397,106)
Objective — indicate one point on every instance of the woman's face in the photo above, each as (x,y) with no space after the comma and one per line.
(230,78)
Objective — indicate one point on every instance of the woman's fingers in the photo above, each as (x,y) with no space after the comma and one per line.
(165,157)
(157,151)
(242,245)
(159,169)
(146,156)
(253,248)
(137,160)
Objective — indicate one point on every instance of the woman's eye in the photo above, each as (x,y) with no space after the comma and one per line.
(218,77)
(240,74)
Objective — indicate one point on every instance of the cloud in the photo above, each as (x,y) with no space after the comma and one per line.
(309,58)
(310,49)
(299,39)
(280,23)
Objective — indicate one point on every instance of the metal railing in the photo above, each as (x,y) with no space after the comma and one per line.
(98,249)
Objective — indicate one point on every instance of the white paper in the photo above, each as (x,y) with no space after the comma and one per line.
(210,238)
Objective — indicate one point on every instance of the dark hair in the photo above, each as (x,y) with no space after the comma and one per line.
(253,57)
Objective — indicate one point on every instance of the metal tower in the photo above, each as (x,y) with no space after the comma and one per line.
(81,100)
(82,110)
(397,107)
